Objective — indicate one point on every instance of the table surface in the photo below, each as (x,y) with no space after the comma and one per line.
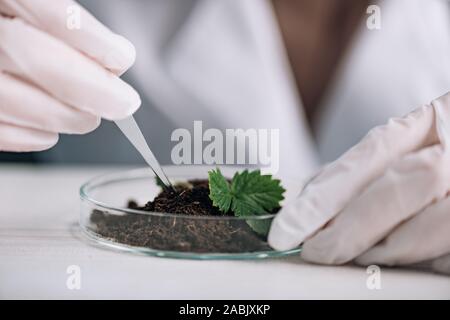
(40,239)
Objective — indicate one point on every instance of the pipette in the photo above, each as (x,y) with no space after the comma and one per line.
(131,130)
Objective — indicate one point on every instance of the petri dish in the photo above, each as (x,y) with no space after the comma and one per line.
(106,220)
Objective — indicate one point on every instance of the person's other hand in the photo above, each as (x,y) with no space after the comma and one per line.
(385,201)
(56,79)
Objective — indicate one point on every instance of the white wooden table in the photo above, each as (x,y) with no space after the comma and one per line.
(39,240)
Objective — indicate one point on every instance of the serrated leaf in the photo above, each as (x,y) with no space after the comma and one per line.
(219,190)
(250,193)
(254,193)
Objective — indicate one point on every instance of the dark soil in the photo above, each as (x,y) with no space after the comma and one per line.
(179,233)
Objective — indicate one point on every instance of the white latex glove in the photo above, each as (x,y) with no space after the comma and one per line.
(58,80)
(383,202)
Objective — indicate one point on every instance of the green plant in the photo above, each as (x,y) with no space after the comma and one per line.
(247,194)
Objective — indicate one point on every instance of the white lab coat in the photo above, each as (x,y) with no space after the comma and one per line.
(223,62)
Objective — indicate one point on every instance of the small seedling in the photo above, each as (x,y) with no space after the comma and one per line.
(248,194)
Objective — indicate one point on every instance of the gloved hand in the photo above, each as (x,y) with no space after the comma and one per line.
(54,79)
(383,202)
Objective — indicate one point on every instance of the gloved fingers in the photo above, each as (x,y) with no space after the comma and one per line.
(22,104)
(6,63)
(441,264)
(423,237)
(18,139)
(71,23)
(408,186)
(64,72)
(442,110)
(342,180)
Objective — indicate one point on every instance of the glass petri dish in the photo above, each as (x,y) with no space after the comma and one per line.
(107,221)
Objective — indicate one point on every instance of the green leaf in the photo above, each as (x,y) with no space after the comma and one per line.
(219,190)
(255,194)
(261,227)
(250,193)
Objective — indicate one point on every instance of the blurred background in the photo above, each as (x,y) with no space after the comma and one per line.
(347,76)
